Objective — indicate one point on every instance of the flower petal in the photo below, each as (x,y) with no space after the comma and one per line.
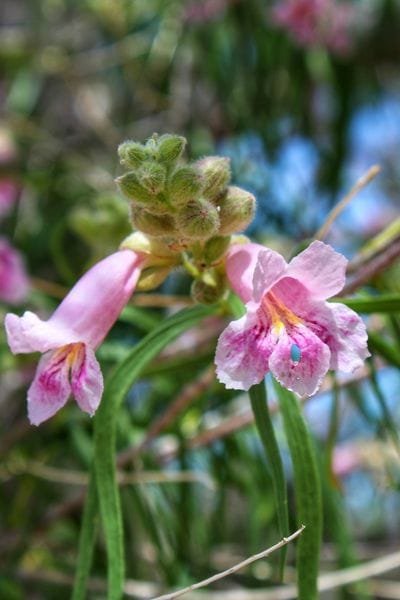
(86,314)
(30,334)
(242,352)
(240,264)
(270,268)
(50,389)
(86,379)
(320,269)
(348,339)
(305,376)
(96,300)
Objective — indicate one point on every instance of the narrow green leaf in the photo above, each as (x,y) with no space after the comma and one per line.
(87,538)
(379,345)
(258,399)
(116,388)
(308,493)
(387,303)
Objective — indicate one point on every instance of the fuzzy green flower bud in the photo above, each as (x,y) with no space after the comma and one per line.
(198,220)
(156,225)
(156,251)
(215,248)
(152,277)
(216,173)
(207,293)
(185,184)
(132,154)
(170,148)
(152,176)
(130,187)
(236,210)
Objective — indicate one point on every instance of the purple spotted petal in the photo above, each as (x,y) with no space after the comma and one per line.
(50,389)
(303,377)
(320,269)
(86,380)
(242,352)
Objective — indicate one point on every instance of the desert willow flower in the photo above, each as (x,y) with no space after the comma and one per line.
(69,338)
(289,328)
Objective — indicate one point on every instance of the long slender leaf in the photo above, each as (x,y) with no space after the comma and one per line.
(379,345)
(116,389)
(258,399)
(86,540)
(308,493)
(387,303)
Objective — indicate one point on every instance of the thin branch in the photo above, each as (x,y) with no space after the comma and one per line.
(231,570)
(373,268)
(340,206)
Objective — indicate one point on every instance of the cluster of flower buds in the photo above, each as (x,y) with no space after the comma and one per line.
(190,210)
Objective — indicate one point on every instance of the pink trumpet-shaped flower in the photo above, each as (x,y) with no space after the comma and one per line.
(68,339)
(13,278)
(289,328)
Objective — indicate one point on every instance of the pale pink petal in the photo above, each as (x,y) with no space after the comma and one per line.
(305,376)
(348,339)
(14,284)
(320,269)
(86,380)
(271,266)
(86,314)
(242,352)
(240,264)
(30,334)
(95,302)
(50,389)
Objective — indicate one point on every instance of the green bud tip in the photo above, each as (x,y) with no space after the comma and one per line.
(184,185)
(155,225)
(152,177)
(204,293)
(198,220)
(170,148)
(132,154)
(236,210)
(216,173)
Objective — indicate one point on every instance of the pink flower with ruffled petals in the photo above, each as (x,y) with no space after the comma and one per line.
(8,196)
(14,284)
(71,335)
(318,22)
(289,328)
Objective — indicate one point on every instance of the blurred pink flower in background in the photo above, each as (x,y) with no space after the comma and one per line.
(206,11)
(289,328)
(8,196)
(14,283)
(327,23)
(69,338)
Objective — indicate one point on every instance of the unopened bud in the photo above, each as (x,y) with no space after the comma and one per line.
(185,184)
(152,277)
(157,253)
(216,173)
(156,225)
(130,187)
(198,220)
(215,248)
(152,177)
(207,293)
(237,209)
(132,154)
(170,148)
